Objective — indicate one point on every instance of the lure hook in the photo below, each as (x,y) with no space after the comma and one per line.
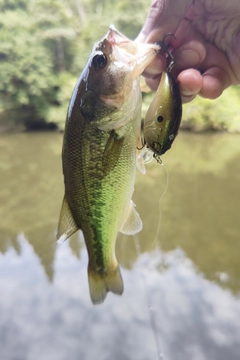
(140,147)
(142,140)
(164,47)
(157,157)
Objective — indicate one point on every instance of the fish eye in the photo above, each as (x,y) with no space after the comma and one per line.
(99,61)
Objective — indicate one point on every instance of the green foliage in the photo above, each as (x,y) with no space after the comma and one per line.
(32,37)
(221,114)
(44,46)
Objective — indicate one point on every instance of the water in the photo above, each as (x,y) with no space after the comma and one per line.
(190,275)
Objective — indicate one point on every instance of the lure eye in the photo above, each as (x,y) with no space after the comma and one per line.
(160,118)
(99,61)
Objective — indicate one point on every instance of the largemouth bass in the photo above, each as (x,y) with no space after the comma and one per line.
(99,155)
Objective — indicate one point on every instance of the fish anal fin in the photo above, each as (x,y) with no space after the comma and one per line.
(99,285)
(66,224)
(133,223)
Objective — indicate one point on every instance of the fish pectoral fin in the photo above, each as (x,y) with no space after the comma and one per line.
(133,223)
(99,285)
(112,152)
(66,224)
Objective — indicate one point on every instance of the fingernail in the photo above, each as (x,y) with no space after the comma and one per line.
(186,92)
(188,58)
(187,99)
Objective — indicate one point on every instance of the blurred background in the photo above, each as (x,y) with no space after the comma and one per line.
(181,273)
(44,46)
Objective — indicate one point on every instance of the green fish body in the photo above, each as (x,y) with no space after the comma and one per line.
(99,156)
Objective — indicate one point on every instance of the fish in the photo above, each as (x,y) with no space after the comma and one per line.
(99,155)
(163,117)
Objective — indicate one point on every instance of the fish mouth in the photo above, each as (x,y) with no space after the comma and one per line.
(137,56)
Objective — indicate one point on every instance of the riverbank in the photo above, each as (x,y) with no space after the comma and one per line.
(200,115)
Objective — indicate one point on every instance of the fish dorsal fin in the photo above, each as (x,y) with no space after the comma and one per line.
(133,222)
(66,225)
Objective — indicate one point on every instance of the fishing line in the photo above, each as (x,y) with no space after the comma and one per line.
(151,310)
(160,205)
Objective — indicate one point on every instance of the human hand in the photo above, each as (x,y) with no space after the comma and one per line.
(206,48)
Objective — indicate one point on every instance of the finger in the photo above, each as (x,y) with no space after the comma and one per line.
(158,65)
(188,51)
(153,82)
(217,73)
(164,16)
(216,70)
(215,80)
(210,85)
(189,55)
(190,84)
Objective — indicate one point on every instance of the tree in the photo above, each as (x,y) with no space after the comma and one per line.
(34,48)
(44,46)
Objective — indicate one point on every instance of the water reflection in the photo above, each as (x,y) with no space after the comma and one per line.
(199,212)
(195,319)
(190,274)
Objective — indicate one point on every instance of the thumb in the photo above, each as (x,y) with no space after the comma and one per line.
(164,16)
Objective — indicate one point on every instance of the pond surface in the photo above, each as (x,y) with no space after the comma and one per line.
(181,273)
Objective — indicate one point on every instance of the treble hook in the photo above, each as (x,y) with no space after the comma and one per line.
(157,157)
(164,47)
(142,140)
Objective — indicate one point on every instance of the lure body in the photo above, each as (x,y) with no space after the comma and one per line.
(164,115)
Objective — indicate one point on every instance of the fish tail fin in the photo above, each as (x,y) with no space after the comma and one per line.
(99,285)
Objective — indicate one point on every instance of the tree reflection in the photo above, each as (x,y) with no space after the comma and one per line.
(199,212)
(200,208)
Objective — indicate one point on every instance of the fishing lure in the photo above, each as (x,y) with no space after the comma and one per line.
(164,115)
